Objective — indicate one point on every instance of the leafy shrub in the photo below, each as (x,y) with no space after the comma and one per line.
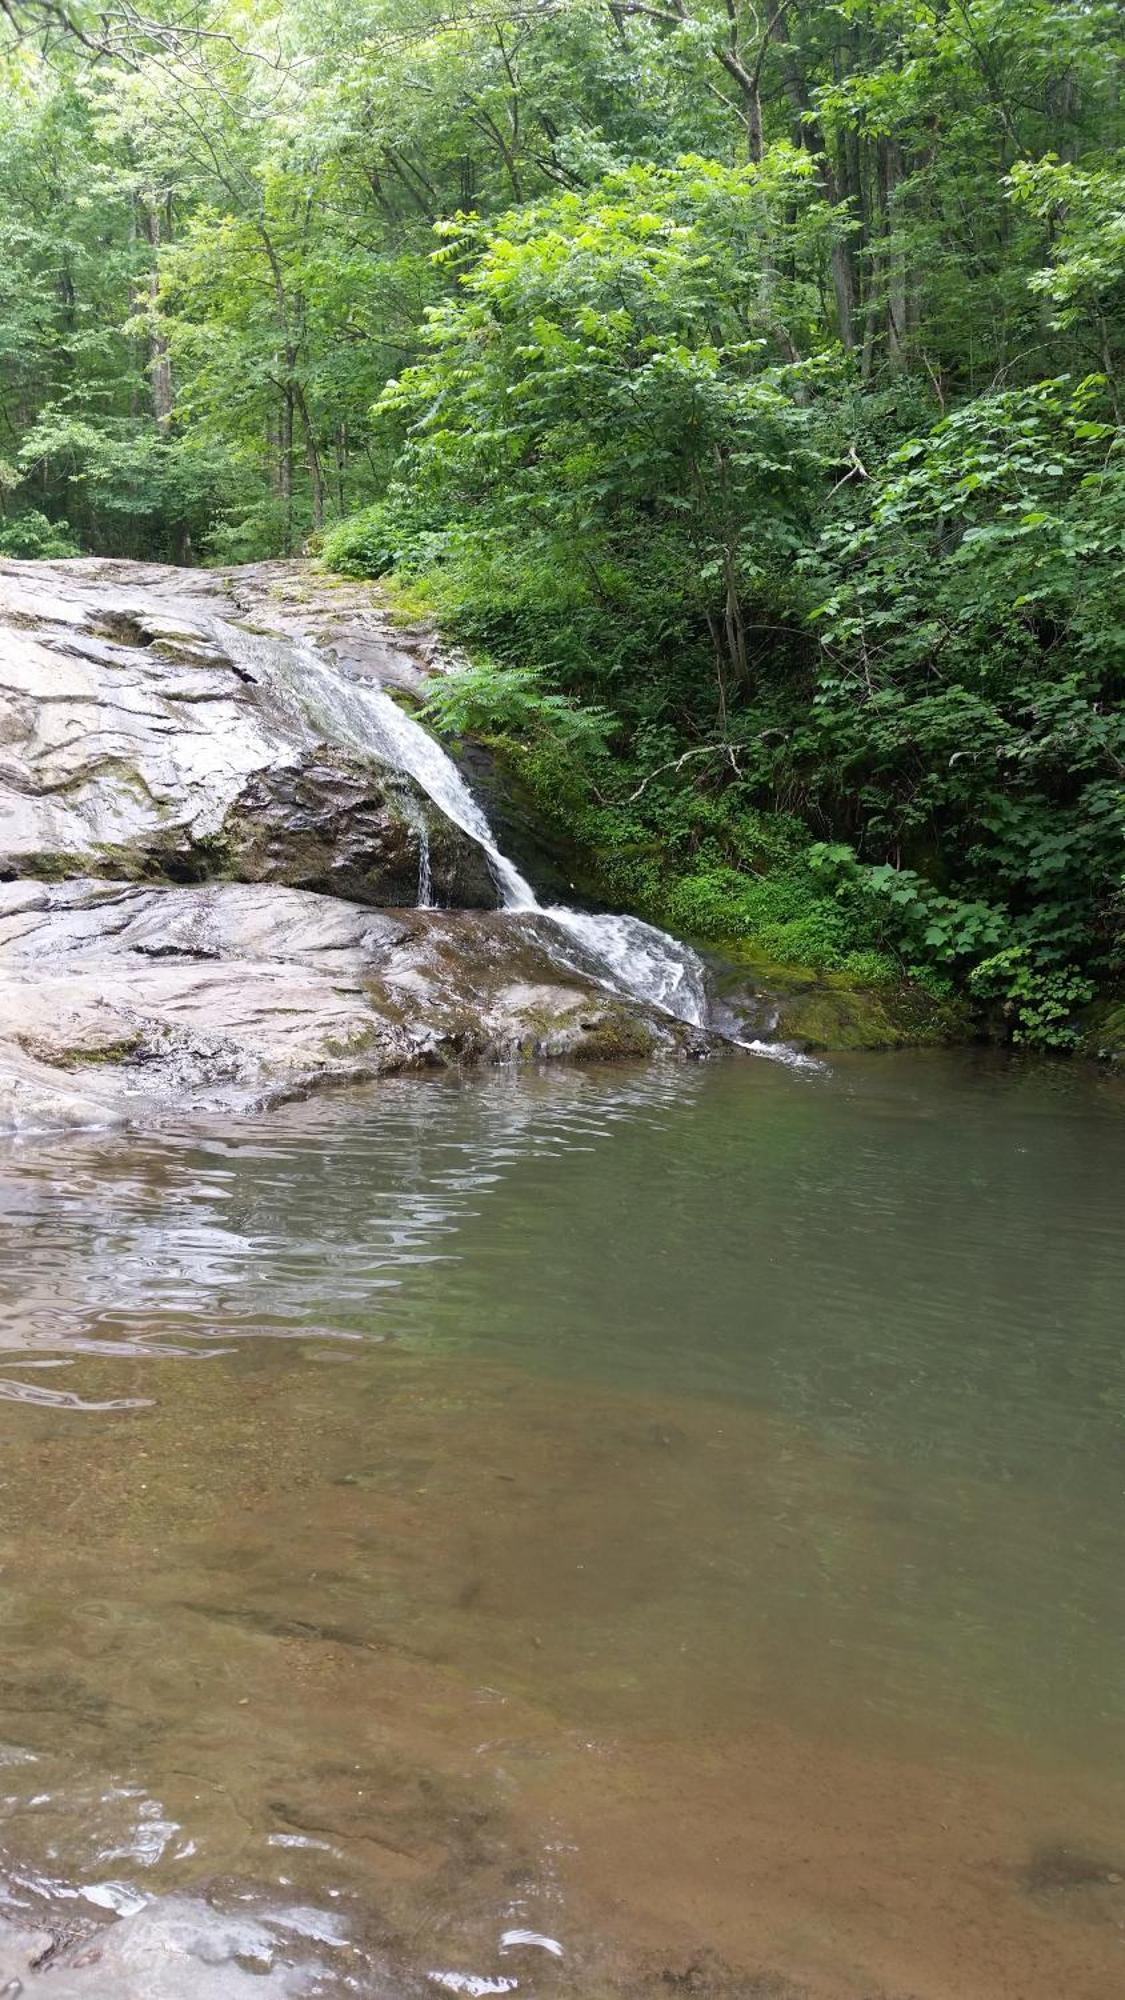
(136,489)
(969,699)
(1038,1003)
(361,545)
(32,535)
(488,700)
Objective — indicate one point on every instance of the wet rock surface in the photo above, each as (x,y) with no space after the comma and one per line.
(179,1948)
(147,733)
(209,882)
(119,1002)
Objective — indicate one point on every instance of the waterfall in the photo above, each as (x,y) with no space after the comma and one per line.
(425,873)
(633,957)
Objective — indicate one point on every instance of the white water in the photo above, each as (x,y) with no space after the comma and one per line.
(425,873)
(631,956)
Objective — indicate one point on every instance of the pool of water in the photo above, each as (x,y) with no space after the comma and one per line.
(627,1532)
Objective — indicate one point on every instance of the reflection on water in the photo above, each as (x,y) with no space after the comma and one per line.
(316,1212)
(572,1534)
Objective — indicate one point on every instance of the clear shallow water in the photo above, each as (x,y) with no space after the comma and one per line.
(677,1513)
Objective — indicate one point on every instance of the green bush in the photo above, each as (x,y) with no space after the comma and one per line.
(487,700)
(359,546)
(31,535)
(1038,1003)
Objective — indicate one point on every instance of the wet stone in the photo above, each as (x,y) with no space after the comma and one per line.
(213,847)
(148,737)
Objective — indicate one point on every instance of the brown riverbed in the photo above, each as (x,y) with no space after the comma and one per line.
(668,1514)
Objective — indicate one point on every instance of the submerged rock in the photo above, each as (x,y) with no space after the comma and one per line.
(119,1002)
(178,1948)
(145,736)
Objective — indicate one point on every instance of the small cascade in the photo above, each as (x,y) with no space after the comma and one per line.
(641,960)
(425,873)
(634,958)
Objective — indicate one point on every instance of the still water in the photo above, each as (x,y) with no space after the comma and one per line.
(627,1532)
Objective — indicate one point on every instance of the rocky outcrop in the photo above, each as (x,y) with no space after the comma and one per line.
(120,1003)
(210,872)
(145,735)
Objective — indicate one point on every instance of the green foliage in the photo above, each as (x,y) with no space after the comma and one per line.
(973,666)
(1084,211)
(1039,1005)
(743,391)
(144,490)
(359,546)
(598,428)
(32,535)
(487,700)
(785,915)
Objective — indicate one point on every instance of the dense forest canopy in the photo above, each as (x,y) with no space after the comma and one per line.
(742,383)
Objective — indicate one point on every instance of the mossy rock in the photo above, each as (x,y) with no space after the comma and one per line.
(850,1017)
(615,1036)
(827,1010)
(99,1047)
(121,1049)
(1102,1029)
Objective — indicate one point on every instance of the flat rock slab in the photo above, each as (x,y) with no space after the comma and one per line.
(121,1003)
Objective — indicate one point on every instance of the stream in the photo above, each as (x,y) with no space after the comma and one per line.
(629,1531)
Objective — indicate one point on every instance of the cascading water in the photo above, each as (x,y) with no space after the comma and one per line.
(425,873)
(632,957)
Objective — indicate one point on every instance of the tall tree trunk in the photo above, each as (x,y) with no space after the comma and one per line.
(312,457)
(807,132)
(341,461)
(161,386)
(890,174)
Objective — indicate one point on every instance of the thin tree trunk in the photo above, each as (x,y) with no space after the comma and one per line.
(285,460)
(161,386)
(890,175)
(312,458)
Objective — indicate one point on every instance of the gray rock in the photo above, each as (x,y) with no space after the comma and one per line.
(119,1003)
(145,736)
(178,1948)
(208,882)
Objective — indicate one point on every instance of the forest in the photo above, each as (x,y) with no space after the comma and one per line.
(738,386)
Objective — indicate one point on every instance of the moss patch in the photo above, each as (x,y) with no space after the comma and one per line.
(106,1054)
(829,1010)
(616,1036)
(111,1051)
(1102,1028)
(842,1017)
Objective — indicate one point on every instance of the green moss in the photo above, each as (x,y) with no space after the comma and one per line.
(839,1016)
(1102,1029)
(615,1034)
(832,1010)
(616,1037)
(206,860)
(50,867)
(106,1054)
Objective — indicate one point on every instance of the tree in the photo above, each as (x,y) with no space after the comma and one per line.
(742,381)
